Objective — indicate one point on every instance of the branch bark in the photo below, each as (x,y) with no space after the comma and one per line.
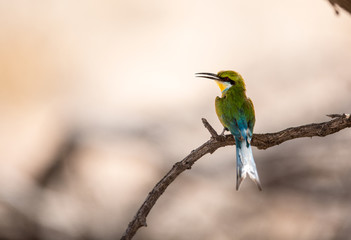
(261,141)
(345,4)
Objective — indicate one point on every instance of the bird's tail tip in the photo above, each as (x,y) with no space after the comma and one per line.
(245,164)
(254,177)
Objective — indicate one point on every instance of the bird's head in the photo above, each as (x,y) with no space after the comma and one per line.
(225,79)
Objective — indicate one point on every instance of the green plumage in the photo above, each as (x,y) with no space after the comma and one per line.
(236,113)
(234,108)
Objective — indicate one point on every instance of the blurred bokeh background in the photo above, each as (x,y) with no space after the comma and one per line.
(98,100)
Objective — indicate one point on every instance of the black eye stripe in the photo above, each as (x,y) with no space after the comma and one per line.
(229,80)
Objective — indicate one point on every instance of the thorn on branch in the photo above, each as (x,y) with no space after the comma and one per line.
(142,221)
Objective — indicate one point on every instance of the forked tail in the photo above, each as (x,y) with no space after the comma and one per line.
(245,164)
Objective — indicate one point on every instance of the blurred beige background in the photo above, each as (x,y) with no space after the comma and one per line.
(98,100)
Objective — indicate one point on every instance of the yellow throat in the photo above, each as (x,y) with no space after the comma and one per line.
(223,85)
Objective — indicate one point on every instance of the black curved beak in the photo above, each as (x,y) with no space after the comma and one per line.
(208,75)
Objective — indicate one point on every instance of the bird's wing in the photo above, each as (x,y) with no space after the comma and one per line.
(250,115)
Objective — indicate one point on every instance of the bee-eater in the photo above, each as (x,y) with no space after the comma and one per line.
(237,114)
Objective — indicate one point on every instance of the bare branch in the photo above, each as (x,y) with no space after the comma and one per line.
(261,141)
(345,4)
(209,128)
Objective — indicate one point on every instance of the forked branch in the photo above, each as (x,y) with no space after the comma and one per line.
(261,141)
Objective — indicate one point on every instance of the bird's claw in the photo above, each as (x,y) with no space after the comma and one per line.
(224,129)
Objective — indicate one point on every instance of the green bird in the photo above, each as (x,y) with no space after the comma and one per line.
(237,114)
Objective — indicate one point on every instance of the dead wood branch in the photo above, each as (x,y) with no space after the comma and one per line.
(261,141)
(345,4)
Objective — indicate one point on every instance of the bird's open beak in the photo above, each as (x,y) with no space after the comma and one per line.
(208,75)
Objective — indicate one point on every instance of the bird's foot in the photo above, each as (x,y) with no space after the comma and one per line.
(224,129)
(249,136)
